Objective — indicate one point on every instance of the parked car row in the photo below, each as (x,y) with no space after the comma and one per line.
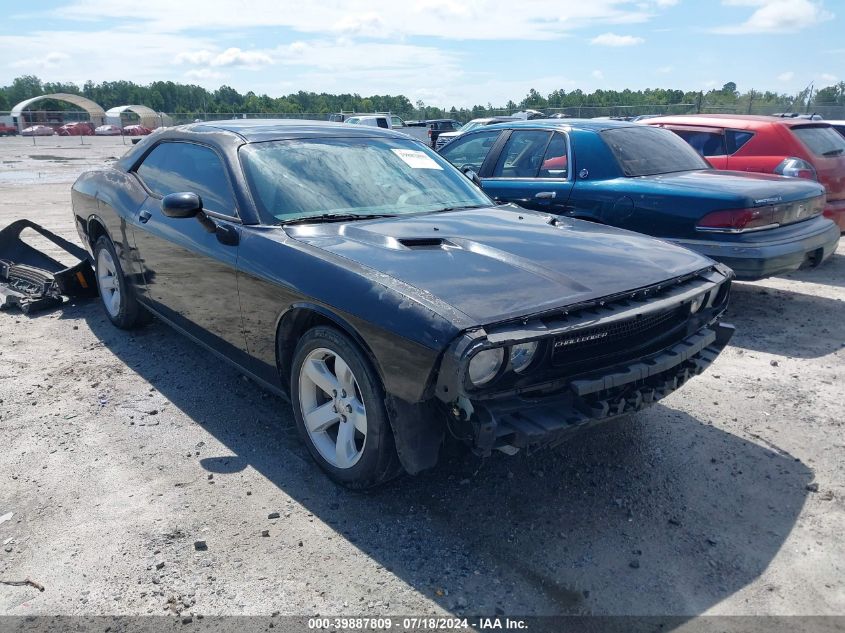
(80,128)
(392,301)
(788,146)
(427,131)
(647,179)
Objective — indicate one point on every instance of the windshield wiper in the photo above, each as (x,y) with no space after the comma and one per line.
(336,217)
(834,152)
(460,207)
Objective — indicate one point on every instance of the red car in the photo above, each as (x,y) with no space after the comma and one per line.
(136,130)
(787,146)
(80,128)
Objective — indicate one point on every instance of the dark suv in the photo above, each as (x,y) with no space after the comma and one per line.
(438,126)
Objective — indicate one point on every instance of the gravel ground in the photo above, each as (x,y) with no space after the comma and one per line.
(122,450)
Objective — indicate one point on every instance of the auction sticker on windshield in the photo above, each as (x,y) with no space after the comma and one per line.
(416,159)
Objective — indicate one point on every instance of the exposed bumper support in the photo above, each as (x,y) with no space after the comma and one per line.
(32,280)
(596,397)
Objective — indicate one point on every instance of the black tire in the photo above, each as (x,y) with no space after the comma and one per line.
(379,461)
(130,314)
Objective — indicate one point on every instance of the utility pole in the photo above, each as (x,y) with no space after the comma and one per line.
(750,100)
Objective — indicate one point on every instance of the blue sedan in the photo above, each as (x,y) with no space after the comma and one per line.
(648,180)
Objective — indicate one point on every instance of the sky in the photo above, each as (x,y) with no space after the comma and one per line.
(443,52)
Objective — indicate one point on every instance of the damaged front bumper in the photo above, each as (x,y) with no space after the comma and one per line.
(31,280)
(521,421)
(592,362)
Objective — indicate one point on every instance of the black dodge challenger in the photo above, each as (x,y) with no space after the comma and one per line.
(357,273)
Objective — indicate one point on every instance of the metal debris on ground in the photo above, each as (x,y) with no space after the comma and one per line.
(23,583)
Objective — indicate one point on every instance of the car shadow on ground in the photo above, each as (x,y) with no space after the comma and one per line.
(830,273)
(783,322)
(660,514)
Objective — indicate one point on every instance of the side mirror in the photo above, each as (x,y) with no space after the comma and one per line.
(470,173)
(181,205)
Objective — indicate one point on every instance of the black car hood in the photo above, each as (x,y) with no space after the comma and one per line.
(497,263)
(745,188)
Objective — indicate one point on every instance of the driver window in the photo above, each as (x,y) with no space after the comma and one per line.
(470,151)
(523,155)
(174,167)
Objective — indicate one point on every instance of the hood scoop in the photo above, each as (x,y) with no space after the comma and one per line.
(426,243)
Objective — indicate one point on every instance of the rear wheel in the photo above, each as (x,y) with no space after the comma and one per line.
(116,295)
(338,403)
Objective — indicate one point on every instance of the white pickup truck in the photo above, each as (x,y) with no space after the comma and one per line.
(391,122)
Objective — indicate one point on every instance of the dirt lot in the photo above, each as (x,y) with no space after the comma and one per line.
(120,450)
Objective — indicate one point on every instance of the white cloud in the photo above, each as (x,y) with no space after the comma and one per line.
(237,57)
(194,57)
(612,39)
(447,19)
(50,60)
(787,76)
(829,78)
(777,16)
(597,74)
(229,57)
(666,3)
(110,54)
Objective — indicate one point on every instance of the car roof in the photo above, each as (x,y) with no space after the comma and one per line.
(738,121)
(257,130)
(595,125)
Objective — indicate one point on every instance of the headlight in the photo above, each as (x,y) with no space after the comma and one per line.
(522,355)
(696,303)
(485,365)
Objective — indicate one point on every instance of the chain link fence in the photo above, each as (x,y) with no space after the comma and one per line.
(56,119)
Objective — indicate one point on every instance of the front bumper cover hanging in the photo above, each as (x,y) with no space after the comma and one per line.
(32,280)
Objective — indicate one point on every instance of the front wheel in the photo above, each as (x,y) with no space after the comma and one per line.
(338,404)
(116,295)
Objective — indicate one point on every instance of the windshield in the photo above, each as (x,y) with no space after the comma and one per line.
(349,176)
(821,140)
(466,127)
(646,151)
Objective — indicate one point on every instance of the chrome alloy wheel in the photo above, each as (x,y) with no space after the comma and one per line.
(108,282)
(332,408)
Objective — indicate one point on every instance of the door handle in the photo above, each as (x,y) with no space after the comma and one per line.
(545,195)
(144,216)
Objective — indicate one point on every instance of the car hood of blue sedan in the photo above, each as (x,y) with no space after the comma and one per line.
(499,263)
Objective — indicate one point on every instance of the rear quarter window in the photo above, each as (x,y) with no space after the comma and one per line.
(735,139)
(705,143)
(822,141)
(645,151)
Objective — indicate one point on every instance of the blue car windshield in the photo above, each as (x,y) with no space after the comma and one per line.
(305,178)
(647,151)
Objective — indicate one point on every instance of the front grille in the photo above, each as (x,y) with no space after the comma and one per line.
(621,340)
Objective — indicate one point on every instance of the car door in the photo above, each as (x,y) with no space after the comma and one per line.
(189,267)
(531,170)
